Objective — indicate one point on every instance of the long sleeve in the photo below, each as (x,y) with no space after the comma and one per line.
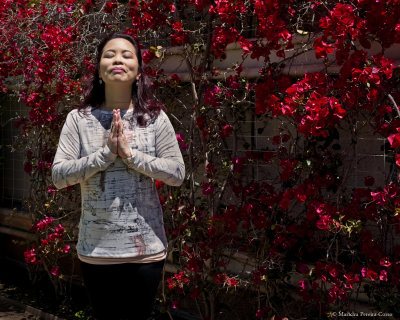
(167,166)
(68,167)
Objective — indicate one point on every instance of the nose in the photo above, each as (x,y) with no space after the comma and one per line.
(117,59)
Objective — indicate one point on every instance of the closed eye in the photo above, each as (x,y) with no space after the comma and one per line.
(111,53)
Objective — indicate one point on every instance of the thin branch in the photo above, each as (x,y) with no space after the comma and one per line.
(394,104)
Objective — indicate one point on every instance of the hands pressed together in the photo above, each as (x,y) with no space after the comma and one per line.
(117,140)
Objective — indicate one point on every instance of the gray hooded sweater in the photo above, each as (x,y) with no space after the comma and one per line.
(121,212)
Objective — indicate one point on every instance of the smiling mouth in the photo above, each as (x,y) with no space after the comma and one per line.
(117,70)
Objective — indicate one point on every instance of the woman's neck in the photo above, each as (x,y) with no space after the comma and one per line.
(117,97)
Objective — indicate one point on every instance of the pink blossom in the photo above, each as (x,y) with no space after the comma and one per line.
(59,228)
(384,262)
(51,190)
(232,282)
(148,56)
(42,224)
(208,188)
(303,284)
(55,271)
(211,96)
(30,256)
(183,146)
(383,275)
(226,131)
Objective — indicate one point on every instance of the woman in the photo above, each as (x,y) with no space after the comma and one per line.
(115,146)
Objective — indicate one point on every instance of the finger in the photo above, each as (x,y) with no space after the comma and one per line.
(118,115)
(121,124)
(114,124)
(113,128)
(120,128)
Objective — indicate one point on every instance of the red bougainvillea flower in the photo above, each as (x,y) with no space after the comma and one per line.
(210,170)
(175,77)
(303,284)
(232,282)
(30,256)
(159,184)
(42,224)
(110,6)
(369,273)
(55,271)
(52,190)
(200,4)
(148,56)
(228,10)
(394,139)
(383,275)
(322,49)
(226,131)
(208,188)
(212,96)
(222,36)
(324,223)
(183,146)
(59,229)
(179,37)
(384,262)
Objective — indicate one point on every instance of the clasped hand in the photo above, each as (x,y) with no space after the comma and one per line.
(117,140)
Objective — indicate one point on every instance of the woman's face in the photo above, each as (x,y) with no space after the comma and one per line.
(119,63)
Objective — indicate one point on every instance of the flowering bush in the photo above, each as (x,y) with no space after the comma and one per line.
(305,221)
(50,249)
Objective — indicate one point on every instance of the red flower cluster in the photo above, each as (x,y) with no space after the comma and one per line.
(149,15)
(180,36)
(178,282)
(228,10)
(110,6)
(52,238)
(42,224)
(31,257)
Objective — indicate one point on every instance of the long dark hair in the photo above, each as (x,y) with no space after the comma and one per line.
(145,106)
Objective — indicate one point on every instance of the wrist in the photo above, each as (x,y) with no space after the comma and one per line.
(126,156)
(108,153)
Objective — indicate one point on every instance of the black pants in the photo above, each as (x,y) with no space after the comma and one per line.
(122,291)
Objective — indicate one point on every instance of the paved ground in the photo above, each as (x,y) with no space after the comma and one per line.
(13,310)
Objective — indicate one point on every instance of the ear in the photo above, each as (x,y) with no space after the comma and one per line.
(138,77)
